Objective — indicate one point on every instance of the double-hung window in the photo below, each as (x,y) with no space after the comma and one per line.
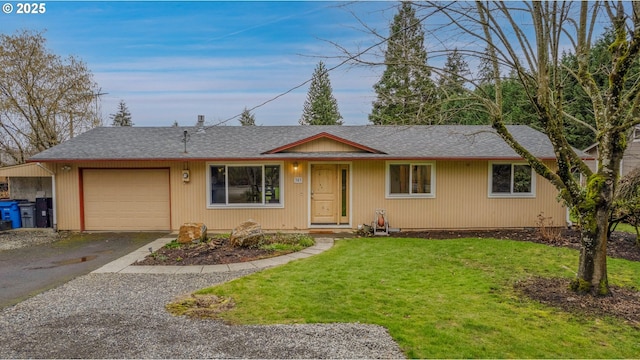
(245,185)
(511,180)
(405,179)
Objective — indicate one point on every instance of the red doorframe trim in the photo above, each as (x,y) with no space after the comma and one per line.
(81,197)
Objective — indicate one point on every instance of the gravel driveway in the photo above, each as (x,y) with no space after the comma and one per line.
(123,316)
(16,239)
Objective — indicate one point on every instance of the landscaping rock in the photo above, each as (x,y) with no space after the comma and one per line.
(247,234)
(191,232)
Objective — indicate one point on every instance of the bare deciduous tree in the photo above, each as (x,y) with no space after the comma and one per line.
(528,39)
(44,99)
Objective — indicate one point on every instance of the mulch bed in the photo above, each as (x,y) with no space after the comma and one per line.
(621,245)
(623,303)
(215,251)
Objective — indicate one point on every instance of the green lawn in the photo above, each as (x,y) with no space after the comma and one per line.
(437,298)
(626,228)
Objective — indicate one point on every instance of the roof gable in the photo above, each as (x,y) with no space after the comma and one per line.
(323,142)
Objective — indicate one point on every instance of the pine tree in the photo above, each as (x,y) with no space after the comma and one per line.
(405,93)
(485,70)
(456,70)
(247,118)
(456,106)
(320,108)
(122,117)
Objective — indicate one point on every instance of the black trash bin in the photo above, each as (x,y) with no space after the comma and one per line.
(42,212)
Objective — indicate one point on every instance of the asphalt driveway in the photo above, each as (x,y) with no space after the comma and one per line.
(28,271)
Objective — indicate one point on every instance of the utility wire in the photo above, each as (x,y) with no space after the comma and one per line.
(349,58)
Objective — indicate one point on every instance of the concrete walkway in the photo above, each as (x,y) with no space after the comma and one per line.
(124,265)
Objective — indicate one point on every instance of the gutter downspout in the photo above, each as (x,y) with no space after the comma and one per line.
(53,195)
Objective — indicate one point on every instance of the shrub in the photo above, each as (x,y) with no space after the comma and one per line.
(547,229)
(173,244)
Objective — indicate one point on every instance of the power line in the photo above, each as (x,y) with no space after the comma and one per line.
(349,58)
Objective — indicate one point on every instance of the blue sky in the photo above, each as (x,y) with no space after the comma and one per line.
(170,61)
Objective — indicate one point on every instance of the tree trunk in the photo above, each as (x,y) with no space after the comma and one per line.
(592,269)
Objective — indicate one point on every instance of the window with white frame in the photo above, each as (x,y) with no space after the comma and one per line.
(406,179)
(245,185)
(511,179)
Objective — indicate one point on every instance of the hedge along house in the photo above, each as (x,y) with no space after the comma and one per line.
(299,178)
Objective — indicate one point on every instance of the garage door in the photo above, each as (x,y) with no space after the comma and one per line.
(126,199)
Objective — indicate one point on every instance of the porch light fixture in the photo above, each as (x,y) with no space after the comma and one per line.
(66,168)
(295,166)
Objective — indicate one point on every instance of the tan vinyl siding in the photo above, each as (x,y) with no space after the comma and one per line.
(291,217)
(324,145)
(24,170)
(461,198)
(189,200)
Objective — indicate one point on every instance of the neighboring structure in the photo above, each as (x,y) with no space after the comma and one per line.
(27,181)
(299,178)
(4,187)
(630,159)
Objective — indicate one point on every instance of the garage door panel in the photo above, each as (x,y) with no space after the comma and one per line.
(126,199)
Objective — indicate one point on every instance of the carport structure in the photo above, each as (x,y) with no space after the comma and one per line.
(30,181)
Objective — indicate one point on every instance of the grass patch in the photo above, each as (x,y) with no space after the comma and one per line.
(200,306)
(287,242)
(438,299)
(626,228)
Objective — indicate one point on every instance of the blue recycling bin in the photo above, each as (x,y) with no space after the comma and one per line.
(11,211)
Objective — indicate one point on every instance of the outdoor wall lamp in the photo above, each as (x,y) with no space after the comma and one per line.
(66,168)
(295,166)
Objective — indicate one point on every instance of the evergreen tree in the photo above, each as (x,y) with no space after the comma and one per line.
(456,107)
(320,108)
(485,70)
(247,118)
(122,117)
(456,70)
(405,93)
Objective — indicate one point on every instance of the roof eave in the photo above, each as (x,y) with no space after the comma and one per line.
(294,156)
